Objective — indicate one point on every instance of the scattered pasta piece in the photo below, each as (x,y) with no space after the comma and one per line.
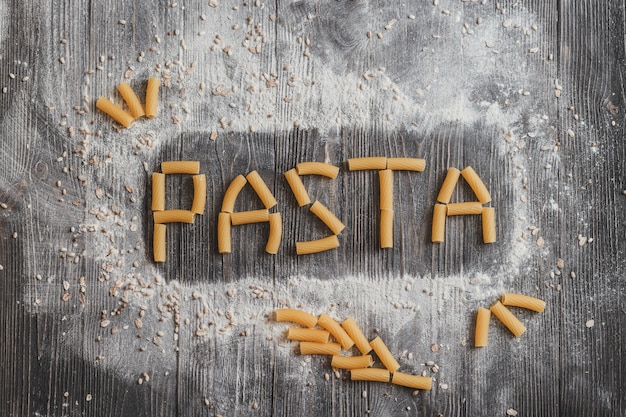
(133,103)
(370,374)
(461,209)
(152,97)
(313,348)
(317,168)
(375,162)
(296,316)
(159,242)
(336,330)
(476,184)
(180,167)
(482,327)
(173,216)
(488,219)
(248,217)
(355,333)
(116,112)
(327,217)
(224,233)
(199,194)
(297,187)
(439,223)
(232,192)
(508,319)
(523,301)
(308,335)
(352,362)
(276,232)
(319,245)
(412,381)
(158,191)
(261,189)
(385,177)
(445,192)
(406,164)
(386,228)
(384,354)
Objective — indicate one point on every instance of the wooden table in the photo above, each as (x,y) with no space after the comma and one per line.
(529,93)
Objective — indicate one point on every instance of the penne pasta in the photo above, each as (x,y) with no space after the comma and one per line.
(336,330)
(133,103)
(158,244)
(261,189)
(406,164)
(412,381)
(461,209)
(439,223)
(317,168)
(308,335)
(386,228)
(180,167)
(476,184)
(248,217)
(384,354)
(508,319)
(488,220)
(523,301)
(152,97)
(319,245)
(173,216)
(199,194)
(351,362)
(232,192)
(385,177)
(327,217)
(370,374)
(445,192)
(296,316)
(116,112)
(313,348)
(355,333)
(276,232)
(297,187)
(158,191)
(375,162)
(224,233)
(482,327)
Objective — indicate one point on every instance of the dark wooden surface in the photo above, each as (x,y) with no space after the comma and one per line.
(561,170)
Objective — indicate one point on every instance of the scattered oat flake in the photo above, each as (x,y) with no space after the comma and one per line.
(590,323)
(540,242)
(511,412)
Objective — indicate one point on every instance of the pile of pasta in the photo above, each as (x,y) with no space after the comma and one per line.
(348,334)
(505,315)
(488,215)
(125,118)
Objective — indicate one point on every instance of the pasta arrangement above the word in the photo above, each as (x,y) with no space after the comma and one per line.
(135,108)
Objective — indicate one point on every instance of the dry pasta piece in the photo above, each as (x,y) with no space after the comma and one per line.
(308,335)
(233,190)
(445,192)
(261,189)
(319,245)
(523,301)
(439,223)
(158,191)
(461,209)
(412,381)
(406,164)
(116,112)
(223,233)
(247,217)
(174,216)
(199,193)
(131,99)
(336,330)
(158,244)
(386,189)
(488,220)
(327,217)
(508,319)
(152,97)
(482,327)
(374,162)
(276,232)
(180,167)
(370,374)
(313,348)
(355,333)
(352,362)
(317,168)
(296,316)
(476,184)
(386,228)
(297,187)
(384,354)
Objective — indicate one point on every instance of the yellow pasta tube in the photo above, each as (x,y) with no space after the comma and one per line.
(351,362)
(297,187)
(180,167)
(412,381)
(375,162)
(468,207)
(439,223)
(482,327)
(133,103)
(308,335)
(261,189)
(224,233)
(327,217)
(174,216)
(445,192)
(406,164)
(488,219)
(233,190)
(199,193)
(313,348)
(384,354)
(117,113)
(276,232)
(152,97)
(317,168)
(370,374)
(508,319)
(355,333)
(523,301)
(386,228)
(247,217)
(158,191)
(336,330)
(158,245)
(476,184)
(386,189)
(319,245)
(296,316)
